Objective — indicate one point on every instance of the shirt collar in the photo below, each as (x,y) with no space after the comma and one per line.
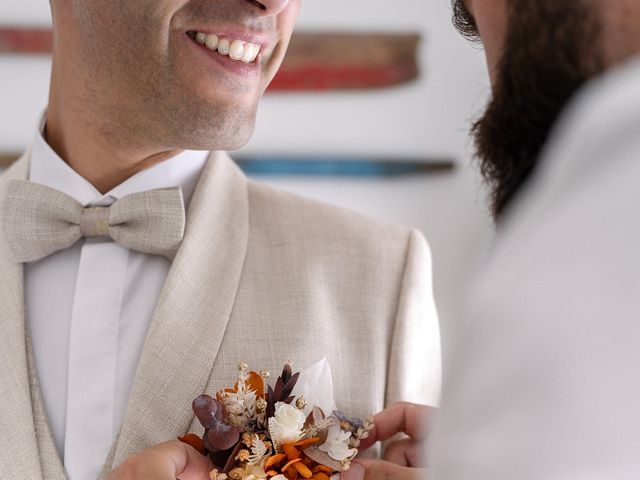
(47,168)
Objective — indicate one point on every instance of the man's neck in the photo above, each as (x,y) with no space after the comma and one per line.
(102,157)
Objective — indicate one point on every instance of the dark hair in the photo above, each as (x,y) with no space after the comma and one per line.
(464,21)
(545,62)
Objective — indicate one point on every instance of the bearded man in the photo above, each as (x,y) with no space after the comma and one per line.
(137,270)
(541,381)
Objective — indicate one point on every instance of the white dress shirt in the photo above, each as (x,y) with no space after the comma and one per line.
(88,310)
(543,377)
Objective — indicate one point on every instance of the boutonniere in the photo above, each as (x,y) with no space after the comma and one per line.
(289,431)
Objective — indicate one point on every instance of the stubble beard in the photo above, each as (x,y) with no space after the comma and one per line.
(172,117)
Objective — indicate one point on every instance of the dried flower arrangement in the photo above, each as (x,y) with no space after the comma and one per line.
(254,431)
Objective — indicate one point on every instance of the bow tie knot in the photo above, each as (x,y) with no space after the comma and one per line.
(94,222)
(38,221)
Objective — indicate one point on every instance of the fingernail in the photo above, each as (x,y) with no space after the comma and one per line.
(356,472)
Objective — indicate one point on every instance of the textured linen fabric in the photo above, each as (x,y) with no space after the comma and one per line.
(261,276)
(88,308)
(21,455)
(38,221)
(543,381)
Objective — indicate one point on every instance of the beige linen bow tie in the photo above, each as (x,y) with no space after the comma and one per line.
(38,221)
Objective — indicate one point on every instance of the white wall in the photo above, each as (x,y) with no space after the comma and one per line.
(429,117)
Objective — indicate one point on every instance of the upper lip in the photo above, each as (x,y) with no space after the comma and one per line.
(256,37)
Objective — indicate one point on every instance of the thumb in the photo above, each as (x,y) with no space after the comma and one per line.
(366,469)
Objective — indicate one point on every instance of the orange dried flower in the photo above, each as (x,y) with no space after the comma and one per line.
(274,460)
(254,381)
(294,464)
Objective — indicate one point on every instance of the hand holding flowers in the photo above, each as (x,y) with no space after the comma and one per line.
(254,431)
(284,443)
(404,459)
(167,461)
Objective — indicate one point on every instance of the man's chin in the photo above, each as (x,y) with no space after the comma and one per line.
(232,143)
(231,138)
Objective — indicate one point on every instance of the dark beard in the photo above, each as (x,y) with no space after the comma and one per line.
(552,49)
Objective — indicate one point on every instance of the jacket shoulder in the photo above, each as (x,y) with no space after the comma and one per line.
(282,216)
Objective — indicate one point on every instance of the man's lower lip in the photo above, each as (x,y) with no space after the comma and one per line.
(237,67)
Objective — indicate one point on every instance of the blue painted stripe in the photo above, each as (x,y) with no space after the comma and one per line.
(340,167)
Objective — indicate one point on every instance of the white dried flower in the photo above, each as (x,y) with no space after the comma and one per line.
(255,472)
(258,451)
(287,423)
(240,406)
(337,444)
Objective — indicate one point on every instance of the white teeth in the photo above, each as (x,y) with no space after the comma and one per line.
(247,55)
(223,46)
(212,42)
(235,49)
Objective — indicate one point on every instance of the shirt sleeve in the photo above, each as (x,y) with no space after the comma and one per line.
(543,378)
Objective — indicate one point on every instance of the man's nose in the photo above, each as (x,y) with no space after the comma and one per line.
(270,7)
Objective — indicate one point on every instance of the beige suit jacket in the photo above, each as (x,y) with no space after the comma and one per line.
(263,277)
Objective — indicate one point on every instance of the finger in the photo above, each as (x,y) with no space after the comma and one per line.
(169,460)
(408,418)
(196,466)
(178,459)
(355,472)
(406,453)
(380,470)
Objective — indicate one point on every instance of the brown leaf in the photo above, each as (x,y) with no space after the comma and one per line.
(231,461)
(291,382)
(286,373)
(195,441)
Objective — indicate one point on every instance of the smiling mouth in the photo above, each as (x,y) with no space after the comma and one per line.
(235,49)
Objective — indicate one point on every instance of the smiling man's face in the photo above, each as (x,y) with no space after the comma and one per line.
(179,73)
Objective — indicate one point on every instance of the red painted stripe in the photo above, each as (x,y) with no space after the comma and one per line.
(316,77)
(343,77)
(32,40)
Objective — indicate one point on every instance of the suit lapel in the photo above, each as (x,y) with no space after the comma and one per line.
(192,314)
(19,455)
(51,464)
